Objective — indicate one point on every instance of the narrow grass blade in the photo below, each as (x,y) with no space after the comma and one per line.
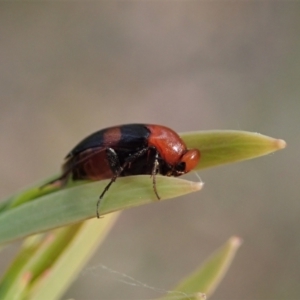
(208,276)
(66,268)
(72,205)
(45,269)
(228,146)
(12,284)
(33,259)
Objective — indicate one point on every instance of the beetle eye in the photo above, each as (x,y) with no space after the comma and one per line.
(180,167)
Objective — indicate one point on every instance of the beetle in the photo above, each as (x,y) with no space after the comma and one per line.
(126,150)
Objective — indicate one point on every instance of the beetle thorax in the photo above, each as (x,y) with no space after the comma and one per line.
(167,143)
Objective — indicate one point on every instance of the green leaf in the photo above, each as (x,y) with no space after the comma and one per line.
(229,146)
(208,276)
(72,205)
(47,264)
(15,280)
(71,260)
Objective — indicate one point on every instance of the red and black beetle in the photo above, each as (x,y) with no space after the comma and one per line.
(130,149)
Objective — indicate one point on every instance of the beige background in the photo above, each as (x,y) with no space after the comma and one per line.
(68,69)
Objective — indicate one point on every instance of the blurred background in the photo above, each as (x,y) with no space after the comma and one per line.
(71,68)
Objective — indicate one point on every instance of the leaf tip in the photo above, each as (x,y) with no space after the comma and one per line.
(197,186)
(235,242)
(280,144)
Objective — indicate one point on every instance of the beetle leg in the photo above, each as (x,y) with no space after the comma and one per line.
(153,174)
(114,163)
(155,168)
(130,159)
